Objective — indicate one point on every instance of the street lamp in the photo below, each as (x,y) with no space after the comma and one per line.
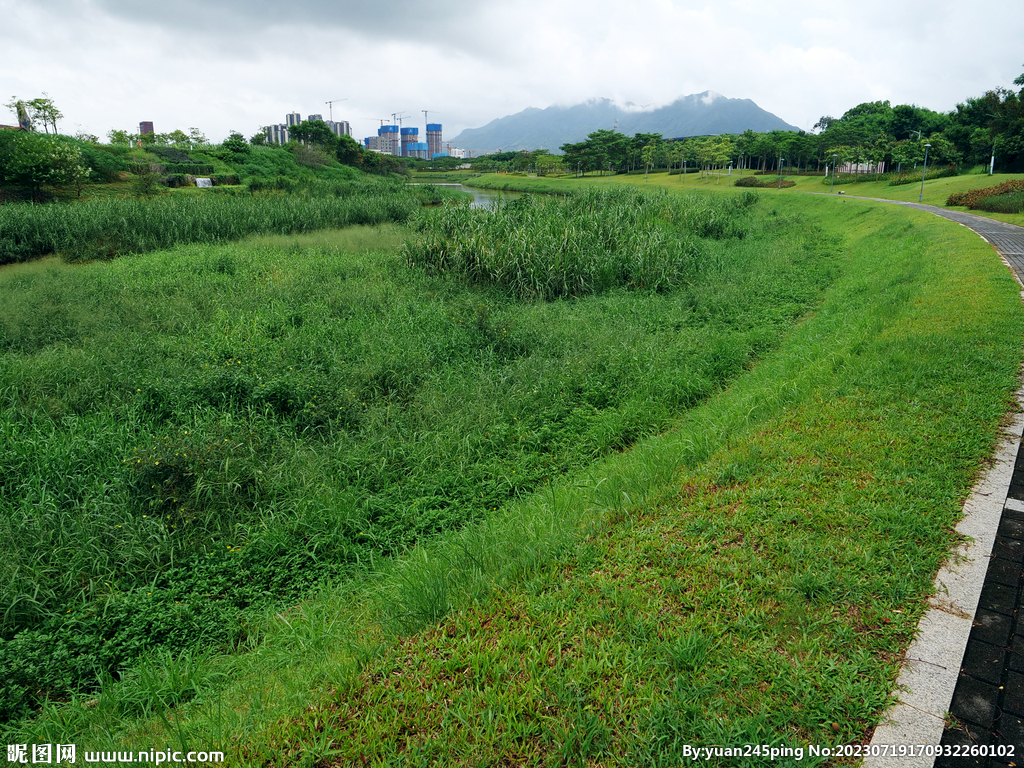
(992,164)
(835,159)
(780,171)
(924,172)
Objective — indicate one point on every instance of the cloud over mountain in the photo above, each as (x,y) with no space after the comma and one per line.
(696,115)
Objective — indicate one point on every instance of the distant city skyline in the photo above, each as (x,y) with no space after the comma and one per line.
(277,133)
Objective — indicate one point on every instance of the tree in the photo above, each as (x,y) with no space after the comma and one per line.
(942,150)
(349,152)
(44,110)
(235,142)
(543,161)
(906,153)
(179,138)
(877,152)
(314,133)
(648,156)
(603,149)
(31,161)
(121,137)
(576,156)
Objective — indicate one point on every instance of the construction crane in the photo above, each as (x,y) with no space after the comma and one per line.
(330,107)
(425,120)
(398,117)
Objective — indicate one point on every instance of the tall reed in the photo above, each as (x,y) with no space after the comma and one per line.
(590,242)
(113,227)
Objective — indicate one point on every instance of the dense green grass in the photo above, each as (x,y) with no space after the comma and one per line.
(589,242)
(750,576)
(192,436)
(105,228)
(765,595)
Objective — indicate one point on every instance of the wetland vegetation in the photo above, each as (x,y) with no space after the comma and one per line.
(621,470)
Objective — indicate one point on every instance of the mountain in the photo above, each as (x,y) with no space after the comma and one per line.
(699,114)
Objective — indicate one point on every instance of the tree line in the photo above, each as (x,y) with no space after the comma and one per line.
(987,130)
(33,161)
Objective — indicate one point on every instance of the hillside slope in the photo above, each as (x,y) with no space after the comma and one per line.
(694,115)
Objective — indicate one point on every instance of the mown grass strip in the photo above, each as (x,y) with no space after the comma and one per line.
(751,576)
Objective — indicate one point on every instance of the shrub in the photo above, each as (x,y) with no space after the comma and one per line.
(912,177)
(766,183)
(171,155)
(856,178)
(179,180)
(193,169)
(972,197)
(105,165)
(1012,203)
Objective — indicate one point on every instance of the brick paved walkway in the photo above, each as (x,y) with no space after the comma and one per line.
(988,702)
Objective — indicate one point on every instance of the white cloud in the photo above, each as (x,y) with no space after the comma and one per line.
(239,64)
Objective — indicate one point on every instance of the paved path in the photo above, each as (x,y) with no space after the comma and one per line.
(986,695)
(1008,239)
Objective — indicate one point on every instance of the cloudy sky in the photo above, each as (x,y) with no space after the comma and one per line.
(222,65)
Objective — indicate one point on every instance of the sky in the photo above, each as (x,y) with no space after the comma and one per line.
(224,65)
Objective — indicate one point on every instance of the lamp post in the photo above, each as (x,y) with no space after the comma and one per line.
(924,172)
(835,159)
(992,163)
(780,171)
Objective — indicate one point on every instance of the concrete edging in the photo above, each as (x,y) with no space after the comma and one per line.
(933,660)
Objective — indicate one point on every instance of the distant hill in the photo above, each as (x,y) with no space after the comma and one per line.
(699,114)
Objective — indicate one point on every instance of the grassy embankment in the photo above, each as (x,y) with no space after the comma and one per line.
(936,191)
(194,436)
(751,575)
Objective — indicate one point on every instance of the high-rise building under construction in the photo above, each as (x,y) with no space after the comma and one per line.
(409,136)
(433,139)
(405,142)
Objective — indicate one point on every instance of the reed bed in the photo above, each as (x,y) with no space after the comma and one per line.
(194,436)
(591,242)
(114,227)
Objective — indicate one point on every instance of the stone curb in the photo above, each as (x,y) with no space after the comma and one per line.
(933,661)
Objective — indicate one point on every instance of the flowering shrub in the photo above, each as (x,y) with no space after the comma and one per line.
(972,197)
(753,181)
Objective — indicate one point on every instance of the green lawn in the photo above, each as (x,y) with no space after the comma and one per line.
(936,191)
